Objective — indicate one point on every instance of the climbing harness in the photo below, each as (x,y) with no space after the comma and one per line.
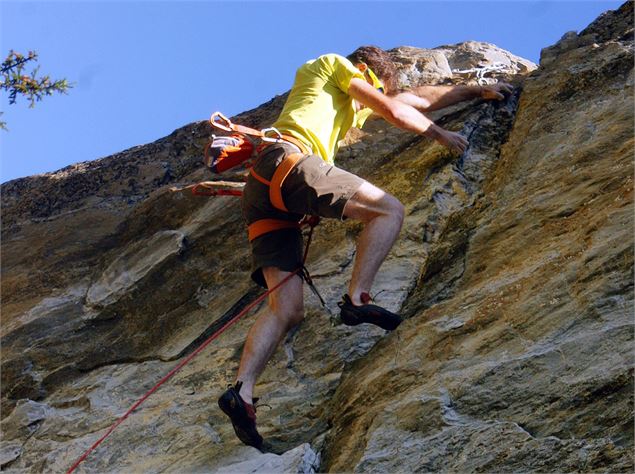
(229,188)
(481,71)
(226,152)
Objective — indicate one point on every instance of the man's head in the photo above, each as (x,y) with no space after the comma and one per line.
(379,62)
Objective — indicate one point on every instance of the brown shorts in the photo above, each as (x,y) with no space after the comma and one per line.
(313,187)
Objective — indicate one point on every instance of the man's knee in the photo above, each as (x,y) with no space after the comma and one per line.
(396,209)
(391,207)
(287,302)
(289,313)
(370,202)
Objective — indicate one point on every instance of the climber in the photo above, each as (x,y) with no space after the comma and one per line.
(330,95)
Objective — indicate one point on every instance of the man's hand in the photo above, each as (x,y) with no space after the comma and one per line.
(452,140)
(496,91)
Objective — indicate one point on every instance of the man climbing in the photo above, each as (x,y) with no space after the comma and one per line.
(330,95)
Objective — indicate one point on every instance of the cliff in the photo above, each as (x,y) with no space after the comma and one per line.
(513,270)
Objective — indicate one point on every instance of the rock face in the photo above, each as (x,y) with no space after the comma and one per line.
(514,270)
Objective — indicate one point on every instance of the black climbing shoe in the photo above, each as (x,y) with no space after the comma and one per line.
(352,315)
(242,416)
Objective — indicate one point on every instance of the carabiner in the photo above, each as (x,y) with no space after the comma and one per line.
(218,116)
(265,138)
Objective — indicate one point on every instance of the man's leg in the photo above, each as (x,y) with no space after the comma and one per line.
(286,309)
(382,215)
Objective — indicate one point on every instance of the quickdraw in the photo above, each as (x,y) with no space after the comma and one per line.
(481,71)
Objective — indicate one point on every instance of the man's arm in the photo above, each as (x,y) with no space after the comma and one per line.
(404,115)
(429,98)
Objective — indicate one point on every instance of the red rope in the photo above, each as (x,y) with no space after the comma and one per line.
(180,365)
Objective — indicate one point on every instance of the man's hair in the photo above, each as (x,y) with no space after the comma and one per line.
(379,61)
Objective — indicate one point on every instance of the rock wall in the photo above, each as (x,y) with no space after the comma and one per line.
(514,270)
(518,352)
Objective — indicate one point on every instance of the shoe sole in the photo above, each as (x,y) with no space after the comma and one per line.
(350,321)
(384,321)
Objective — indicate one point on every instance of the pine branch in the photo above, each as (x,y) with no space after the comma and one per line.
(6,67)
(32,87)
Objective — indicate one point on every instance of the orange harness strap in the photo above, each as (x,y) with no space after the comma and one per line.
(258,177)
(303,148)
(277,180)
(258,228)
(263,226)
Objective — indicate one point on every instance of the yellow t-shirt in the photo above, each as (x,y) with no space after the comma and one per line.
(319,110)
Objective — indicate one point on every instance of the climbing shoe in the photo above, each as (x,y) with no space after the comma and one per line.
(242,416)
(352,315)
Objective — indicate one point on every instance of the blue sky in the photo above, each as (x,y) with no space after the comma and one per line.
(143,69)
